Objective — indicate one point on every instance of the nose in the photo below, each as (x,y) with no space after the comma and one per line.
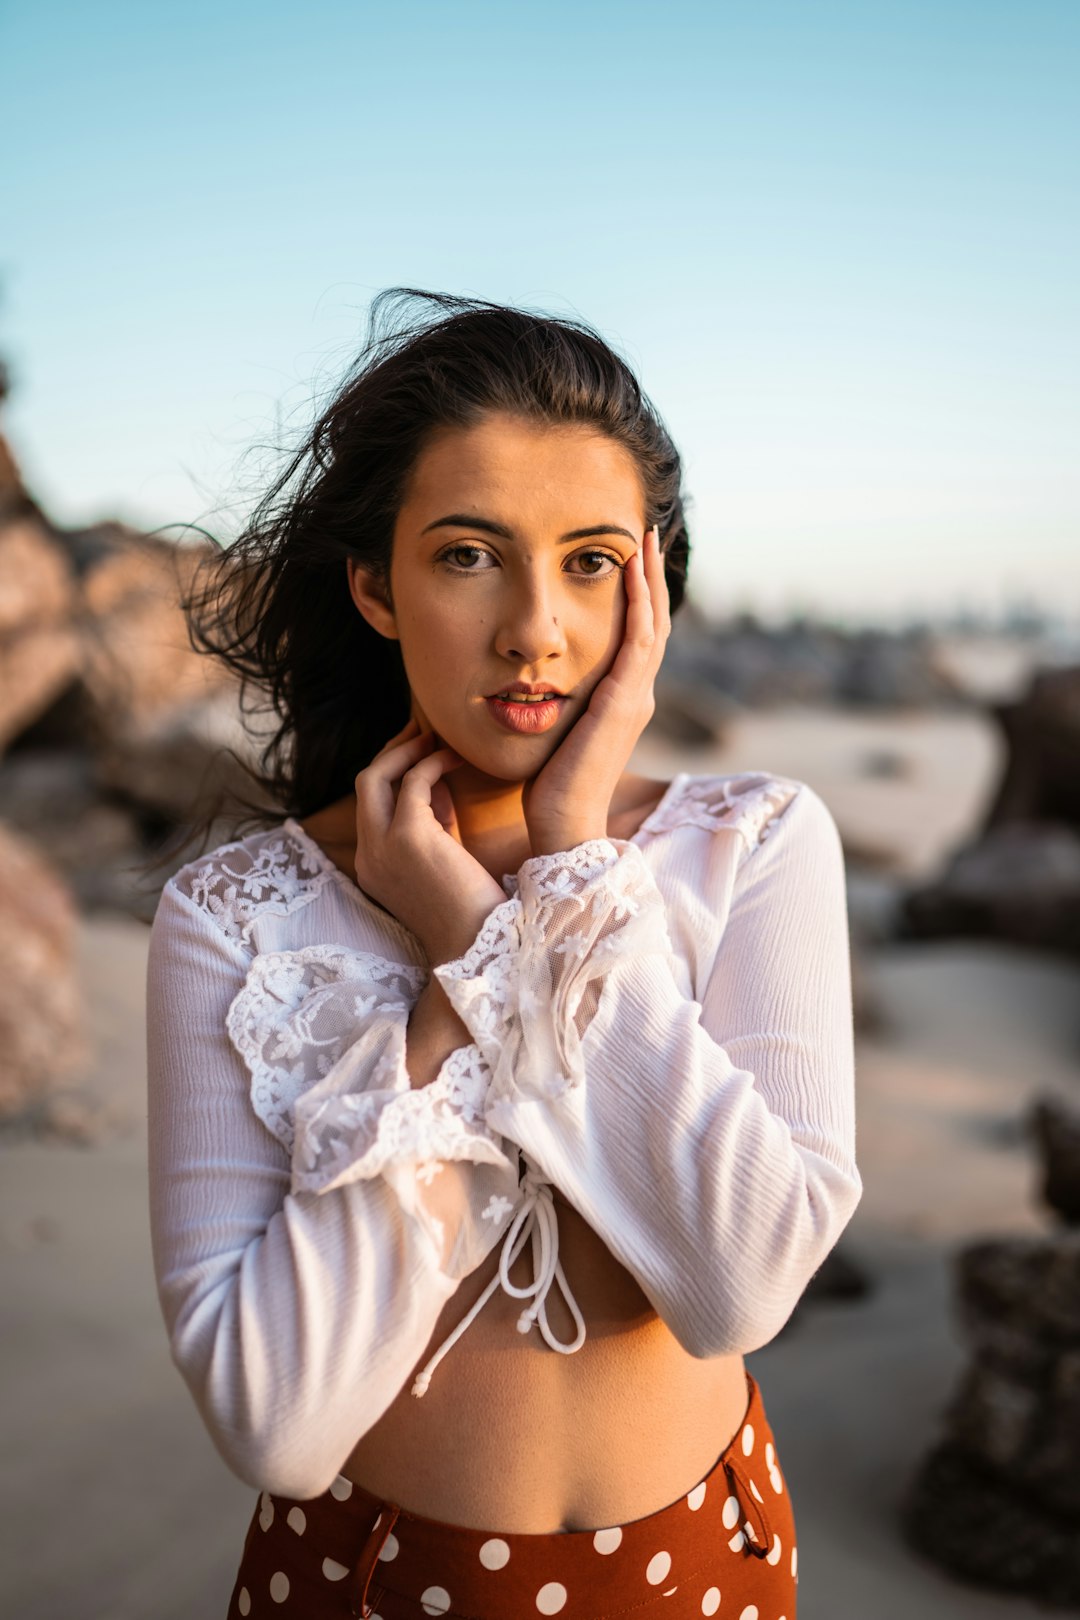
(529,629)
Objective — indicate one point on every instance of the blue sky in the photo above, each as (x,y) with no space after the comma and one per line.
(838,243)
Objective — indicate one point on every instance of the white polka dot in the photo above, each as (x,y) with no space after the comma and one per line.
(773,1557)
(606,1541)
(658,1568)
(390,1549)
(751,1533)
(333,1570)
(551,1598)
(670,1591)
(243,1602)
(794,1562)
(279,1587)
(494,1553)
(730,1514)
(737,1542)
(297,1520)
(377,1523)
(748,1440)
(711,1601)
(696,1497)
(341,1489)
(770,1455)
(436,1600)
(266,1511)
(756,1492)
(750,1612)
(775,1481)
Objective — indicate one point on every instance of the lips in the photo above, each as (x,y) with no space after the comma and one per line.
(523,689)
(539,714)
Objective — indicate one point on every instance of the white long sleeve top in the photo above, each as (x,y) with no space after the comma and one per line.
(661,1028)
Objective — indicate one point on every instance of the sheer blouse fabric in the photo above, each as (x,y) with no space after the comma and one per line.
(660,1027)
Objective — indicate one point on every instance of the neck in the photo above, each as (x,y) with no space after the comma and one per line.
(490,817)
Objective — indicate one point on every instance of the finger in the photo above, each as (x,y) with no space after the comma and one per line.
(639,630)
(654,561)
(415,788)
(376,785)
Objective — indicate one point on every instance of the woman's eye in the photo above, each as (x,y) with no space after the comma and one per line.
(599,557)
(456,551)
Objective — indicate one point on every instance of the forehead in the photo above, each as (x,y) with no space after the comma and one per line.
(510,467)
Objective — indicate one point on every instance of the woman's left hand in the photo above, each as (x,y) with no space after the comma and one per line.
(569,799)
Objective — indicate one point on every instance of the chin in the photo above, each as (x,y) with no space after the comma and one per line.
(515,760)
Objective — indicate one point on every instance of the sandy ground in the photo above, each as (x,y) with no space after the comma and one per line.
(114,1505)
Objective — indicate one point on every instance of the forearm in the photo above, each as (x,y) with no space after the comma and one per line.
(434,1031)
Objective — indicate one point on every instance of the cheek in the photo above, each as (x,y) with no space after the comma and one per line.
(600,634)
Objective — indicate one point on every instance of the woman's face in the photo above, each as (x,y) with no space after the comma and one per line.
(506,569)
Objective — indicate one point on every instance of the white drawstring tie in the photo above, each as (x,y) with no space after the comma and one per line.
(535,1219)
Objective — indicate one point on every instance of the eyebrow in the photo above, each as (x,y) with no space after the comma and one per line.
(458,520)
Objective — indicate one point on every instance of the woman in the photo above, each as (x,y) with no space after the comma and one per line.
(501,1099)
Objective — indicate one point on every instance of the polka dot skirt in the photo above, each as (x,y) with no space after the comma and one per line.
(726,1548)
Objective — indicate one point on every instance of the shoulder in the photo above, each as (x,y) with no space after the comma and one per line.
(756,806)
(274,871)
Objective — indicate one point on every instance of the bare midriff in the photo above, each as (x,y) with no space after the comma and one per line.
(513,1436)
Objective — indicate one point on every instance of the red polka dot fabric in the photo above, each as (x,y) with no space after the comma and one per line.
(726,1548)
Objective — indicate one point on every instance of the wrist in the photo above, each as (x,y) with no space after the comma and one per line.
(556,840)
(453,940)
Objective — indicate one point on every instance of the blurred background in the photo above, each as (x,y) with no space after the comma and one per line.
(838,245)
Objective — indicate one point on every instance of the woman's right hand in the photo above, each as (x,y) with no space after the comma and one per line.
(407,855)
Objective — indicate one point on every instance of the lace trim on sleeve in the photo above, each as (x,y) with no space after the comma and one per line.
(528,1007)
(298,1011)
(481,986)
(344,1135)
(322,1031)
(239,882)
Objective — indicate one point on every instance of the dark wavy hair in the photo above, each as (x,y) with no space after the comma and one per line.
(275,606)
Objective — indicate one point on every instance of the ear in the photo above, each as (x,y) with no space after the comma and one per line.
(371,599)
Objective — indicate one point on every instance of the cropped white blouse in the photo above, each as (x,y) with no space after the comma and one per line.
(661,1027)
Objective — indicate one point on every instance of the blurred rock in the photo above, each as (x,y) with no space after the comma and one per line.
(39,645)
(839,1277)
(748,665)
(1056,1129)
(56,798)
(139,666)
(689,713)
(997,1500)
(180,760)
(40,1009)
(1041,781)
(1019,882)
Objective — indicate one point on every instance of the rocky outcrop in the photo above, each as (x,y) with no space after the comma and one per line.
(114,732)
(711,670)
(1019,882)
(1019,879)
(1041,780)
(39,643)
(40,1011)
(1056,1129)
(997,1500)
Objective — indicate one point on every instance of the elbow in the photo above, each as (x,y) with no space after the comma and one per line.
(271,1430)
(267,1463)
(738,1316)
(274,1450)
